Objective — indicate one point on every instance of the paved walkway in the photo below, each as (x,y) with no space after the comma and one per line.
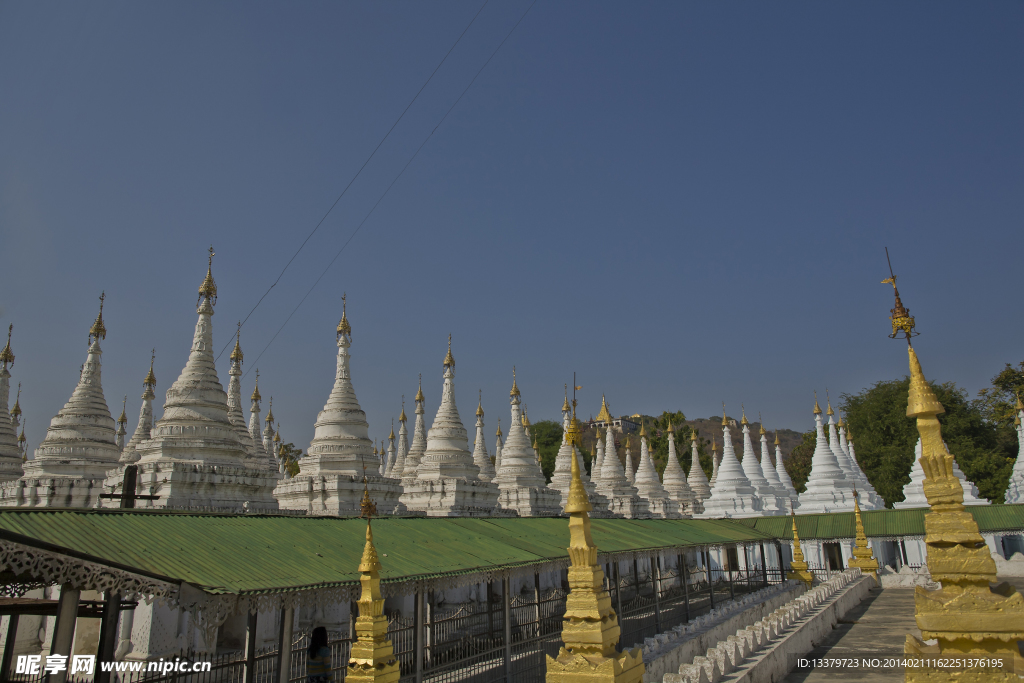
(878,624)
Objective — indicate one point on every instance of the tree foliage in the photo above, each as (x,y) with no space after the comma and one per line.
(548,435)
(885,438)
(798,467)
(291,458)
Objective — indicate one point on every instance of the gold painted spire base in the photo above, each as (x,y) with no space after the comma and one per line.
(798,568)
(965,616)
(373,657)
(863,558)
(590,632)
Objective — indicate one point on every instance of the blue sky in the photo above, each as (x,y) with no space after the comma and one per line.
(685,203)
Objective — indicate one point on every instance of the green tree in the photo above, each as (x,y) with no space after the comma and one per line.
(798,466)
(998,404)
(885,438)
(548,437)
(291,458)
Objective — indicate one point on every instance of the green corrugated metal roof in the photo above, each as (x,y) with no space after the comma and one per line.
(250,553)
(907,522)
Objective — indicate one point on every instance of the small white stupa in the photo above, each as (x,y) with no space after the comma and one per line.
(696,479)
(595,465)
(497,448)
(630,471)
(913,490)
(235,414)
(731,494)
(447,481)
(71,463)
(419,441)
(562,475)
(10,451)
(1015,489)
(771,502)
(144,429)
(780,470)
(402,448)
(828,489)
(520,479)
(870,498)
(622,497)
(716,461)
(649,486)
(480,456)
(770,473)
(674,479)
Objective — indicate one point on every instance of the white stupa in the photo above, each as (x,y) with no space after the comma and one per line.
(780,470)
(520,479)
(195,457)
(595,465)
(341,455)
(1015,489)
(10,451)
(235,414)
(771,501)
(770,473)
(447,481)
(144,429)
(497,448)
(649,487)
(629,470)
(828,489)
(913,490)
(622,497)
(716,461)
(731,494)
(254,424)
(419,441)
(71,463)
(562,476)
(402,448)
(391,454)
(480,456)
(869,497)
(696,479)
(674,479)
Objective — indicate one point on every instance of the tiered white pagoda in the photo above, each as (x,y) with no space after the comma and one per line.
(622,497)
(562,476)
(649,487)
(772,500)
(674,479)
(194,457)
(780,470)
(10,450)
(395,472)
(870,499)
(480,456)
(80,445)
(1015,489)
(418,446)
(828,489)
(913,490)
(144,429)
(629,470)
(447,482)
(716,461)
(340,457)
(696,479)
(771,474)
(731,493)
(520,479)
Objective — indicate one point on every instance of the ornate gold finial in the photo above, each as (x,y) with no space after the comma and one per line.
(480,404)
(849,433)
(840,424)
(643,431)
(270,412)
(760,421)
(277,433)
(449,359)
(419,391)
(236,353)
(21,437)
(402,417)
(526,419)
(498,434)
(605,415)
(16,410)
(208,290)
(901,319)
(343,325)
(828,400)
(392,436)
(693,436)
(515,387)
(7,356)
(590,633)
(744,411)
(798,567)
(150,380)
(256,389)
(777,438)
(671,429)
(123,420)
(714,443)
(862,555)
(817,408)
(565,403)
(98,331)
(725,420)
(1019,407)
(372,658)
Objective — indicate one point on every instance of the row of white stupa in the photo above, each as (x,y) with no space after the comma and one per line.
(201,454)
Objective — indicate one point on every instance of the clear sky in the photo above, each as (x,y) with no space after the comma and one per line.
(684,202)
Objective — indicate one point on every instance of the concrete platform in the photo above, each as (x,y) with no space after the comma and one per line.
(878,624)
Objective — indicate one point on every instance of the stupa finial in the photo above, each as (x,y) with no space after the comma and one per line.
(449,359)
(343,325)
(515,387)
(817,408)
(901,319)
(16,410)
(7,356)
(760,421)
(419,391)
(402,417)
(98,330)
(208,290)
(150,380)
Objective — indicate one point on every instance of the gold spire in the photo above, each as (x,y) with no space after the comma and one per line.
(449,359)
(643,431)
(236,353)
(498,434)
(604,415)
(862,556)
(98,331)
(526,418)
(714,444)
(798,567)
(744,420)
(124,418)
(402,417)
(590,631)
(343,325)
(372,657)
(208,290)
(565,403)
(515,387)
(150,380)
(725,420)
(480,405)
(817,408)
(270,412)
(828,399)
(849,434)
(671,429)
(1018,407)
(777,437)
(392,435)
(7,356)
(16,410)
(277,435)
(256,389)
(693,436)
(419,391)
(900,317)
